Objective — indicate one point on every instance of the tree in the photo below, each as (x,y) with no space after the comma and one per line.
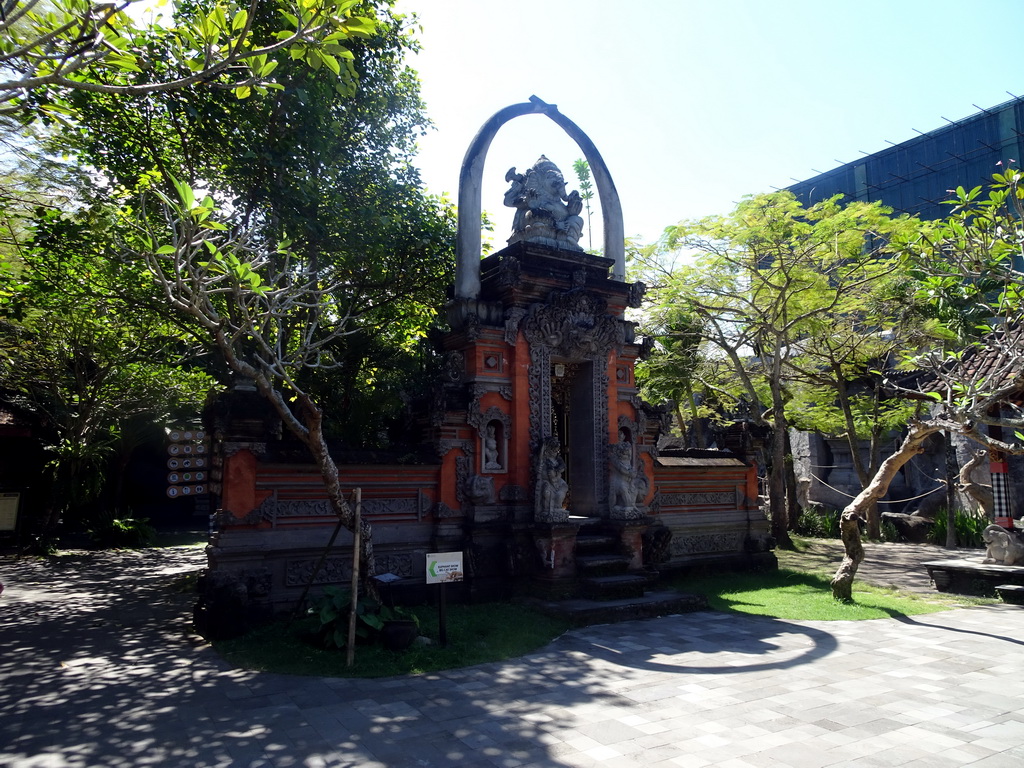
(763,281)
(970,261)
(582,168)
(314,231)
(50,48)
(835,374)
(674,372)
(268,315)
(329,172)
(82,356)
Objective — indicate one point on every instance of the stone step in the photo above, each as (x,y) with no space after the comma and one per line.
(621,587)
(1011,593)
(603,564)
(595,543)
(582,612)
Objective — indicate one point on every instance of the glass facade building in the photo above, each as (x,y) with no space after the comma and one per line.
(914,177)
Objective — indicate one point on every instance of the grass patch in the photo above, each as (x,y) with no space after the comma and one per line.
(793,594)
(476,634)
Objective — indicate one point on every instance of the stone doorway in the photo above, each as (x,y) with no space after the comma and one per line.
(573,422)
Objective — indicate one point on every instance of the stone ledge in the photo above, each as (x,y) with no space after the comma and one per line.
(971,577)
(582,612)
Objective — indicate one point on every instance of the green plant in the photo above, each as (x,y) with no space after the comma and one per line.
(477,634)
(122,532)
(332,610)
(889,532)
(820,524)
(968,525)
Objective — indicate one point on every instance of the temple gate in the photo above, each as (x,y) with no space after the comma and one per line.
(548,474)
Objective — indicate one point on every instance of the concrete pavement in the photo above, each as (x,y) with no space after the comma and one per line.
(97,668)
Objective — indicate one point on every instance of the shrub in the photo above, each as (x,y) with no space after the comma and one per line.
(969,527)
(122,532)
(332,611)
(818,523)
(889,532)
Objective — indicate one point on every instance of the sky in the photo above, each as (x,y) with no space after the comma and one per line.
(695,104)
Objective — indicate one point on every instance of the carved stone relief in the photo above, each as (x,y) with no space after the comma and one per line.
(513,316)
(333,571)
(701,543)
(473,327)
(442,510)
(454,366)
(230,448)
(636,295)
(463,469)
(510,272)
(480,489)
(575,326)
(398,563)
(717,498)
(445,446)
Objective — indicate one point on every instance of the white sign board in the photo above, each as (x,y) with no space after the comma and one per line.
(9,511)
(444,567)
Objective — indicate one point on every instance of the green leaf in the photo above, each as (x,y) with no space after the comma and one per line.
(239,20)
(331,62)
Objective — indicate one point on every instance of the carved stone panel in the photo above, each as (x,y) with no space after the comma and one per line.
(714,498)
(701,543)
(335,570)
(398,563)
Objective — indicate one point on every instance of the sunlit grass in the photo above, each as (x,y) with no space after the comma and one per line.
(793,594)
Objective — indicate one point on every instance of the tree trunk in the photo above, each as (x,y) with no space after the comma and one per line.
(701,440)
(792,501)
(855,511)
(871,516)
(309,429)
(777,479)
(952,474)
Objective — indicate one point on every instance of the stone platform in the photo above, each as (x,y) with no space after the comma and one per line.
(972,576)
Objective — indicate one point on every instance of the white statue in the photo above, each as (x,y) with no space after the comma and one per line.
(627,484)
(491,449)
(1004,546)
(544,212)
(552,488)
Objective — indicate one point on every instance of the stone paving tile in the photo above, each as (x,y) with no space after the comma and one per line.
(100,680)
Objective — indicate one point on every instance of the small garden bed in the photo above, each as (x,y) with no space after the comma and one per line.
(476,634)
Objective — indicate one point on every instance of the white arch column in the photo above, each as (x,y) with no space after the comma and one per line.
(468,243)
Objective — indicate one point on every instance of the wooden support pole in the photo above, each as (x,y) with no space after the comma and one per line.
(350,651)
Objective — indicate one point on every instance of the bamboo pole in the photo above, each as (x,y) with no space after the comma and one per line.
(350,650)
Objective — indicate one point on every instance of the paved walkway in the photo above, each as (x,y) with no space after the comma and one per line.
(97,668)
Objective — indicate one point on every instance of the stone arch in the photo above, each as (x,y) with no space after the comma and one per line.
(467,248)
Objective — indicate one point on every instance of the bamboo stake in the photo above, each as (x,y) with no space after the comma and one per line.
(350,651)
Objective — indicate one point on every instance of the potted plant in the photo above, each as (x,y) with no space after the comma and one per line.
(395,627)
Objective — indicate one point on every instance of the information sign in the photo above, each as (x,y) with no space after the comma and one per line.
(444,567)
(187,462)
(9,511)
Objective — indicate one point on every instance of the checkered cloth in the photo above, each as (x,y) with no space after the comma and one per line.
(1000,490)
